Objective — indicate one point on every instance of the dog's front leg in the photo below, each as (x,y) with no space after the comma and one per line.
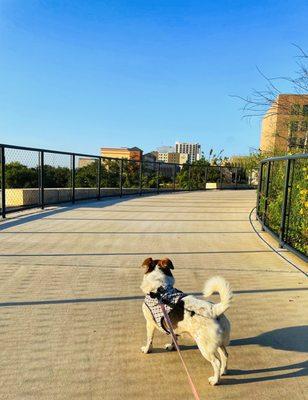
(150,334)
(171,346)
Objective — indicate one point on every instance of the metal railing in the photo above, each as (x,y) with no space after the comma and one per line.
(282,201)
(32,177)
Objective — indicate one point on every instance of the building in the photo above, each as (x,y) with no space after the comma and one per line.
(130,153)
(285,125)
(173,158)
(84,162)
(150,157)
(192,149)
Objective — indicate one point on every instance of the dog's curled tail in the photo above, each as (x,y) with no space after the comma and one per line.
(220,285)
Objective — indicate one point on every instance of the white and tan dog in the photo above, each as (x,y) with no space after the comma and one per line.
(203,320)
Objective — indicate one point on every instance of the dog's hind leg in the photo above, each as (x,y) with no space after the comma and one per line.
(224,359)
(150,334)
(213,359)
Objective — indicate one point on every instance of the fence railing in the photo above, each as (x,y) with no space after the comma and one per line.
(282,201)
(32,177)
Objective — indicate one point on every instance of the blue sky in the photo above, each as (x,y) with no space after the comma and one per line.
(78,75)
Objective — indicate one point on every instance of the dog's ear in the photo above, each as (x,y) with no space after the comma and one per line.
(148,265)
(165,263)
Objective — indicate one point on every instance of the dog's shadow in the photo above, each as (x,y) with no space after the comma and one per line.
(288,339)
(293,338)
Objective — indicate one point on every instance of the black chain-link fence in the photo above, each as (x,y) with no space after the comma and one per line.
(282,203)
(57,178)
(22,174)
(37,177)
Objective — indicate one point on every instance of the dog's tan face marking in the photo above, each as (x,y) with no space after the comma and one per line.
(165,266)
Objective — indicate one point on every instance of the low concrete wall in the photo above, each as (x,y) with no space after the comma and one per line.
(211,185)
(31,196)
(21,197)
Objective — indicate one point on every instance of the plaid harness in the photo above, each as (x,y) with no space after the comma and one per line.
(170,297)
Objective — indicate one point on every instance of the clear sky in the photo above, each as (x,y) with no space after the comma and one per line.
(78,75)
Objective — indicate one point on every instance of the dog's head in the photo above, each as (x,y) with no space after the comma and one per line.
(156,273)
(165,265)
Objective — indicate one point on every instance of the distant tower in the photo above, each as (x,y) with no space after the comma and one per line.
(192,149)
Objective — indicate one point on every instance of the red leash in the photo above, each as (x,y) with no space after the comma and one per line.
(168,322)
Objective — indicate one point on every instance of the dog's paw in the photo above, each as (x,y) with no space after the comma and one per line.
(213,381)
(169,347)
(145,350)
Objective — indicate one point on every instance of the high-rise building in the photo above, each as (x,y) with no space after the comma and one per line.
(192,149)
(285,125)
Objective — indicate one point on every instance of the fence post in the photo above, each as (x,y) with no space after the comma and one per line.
(140,178)
(220,177)
(236,177)
(259,187)
(174,173)
(266,192)
(42,183)
(3,208)
(205,177)
(189,177)
(157,177)
(99,178)
(284,204)
(73,178)
(121,177)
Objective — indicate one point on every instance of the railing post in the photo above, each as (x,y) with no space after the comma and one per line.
(266,192)
(236,177)
(157,177)
(220,177)
(42,183)
(259,188)
(99,178)
(121,177)
(3,207)
(140,178)
(284,203)
(73,178)
(189,177)
(174,173)
(205,177)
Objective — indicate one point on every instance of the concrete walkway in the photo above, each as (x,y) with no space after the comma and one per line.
(71,325)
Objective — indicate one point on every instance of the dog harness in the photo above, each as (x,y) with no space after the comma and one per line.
(167,295)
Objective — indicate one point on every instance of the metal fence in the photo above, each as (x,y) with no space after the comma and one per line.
(282,201)
(32,177)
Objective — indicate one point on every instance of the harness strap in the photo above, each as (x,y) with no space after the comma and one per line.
(168,322)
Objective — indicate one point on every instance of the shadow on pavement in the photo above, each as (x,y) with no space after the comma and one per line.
(293,338)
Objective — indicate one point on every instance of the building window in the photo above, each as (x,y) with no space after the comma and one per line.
(293,127)
(292,142)
(295,109)
(304,126)
(301,143)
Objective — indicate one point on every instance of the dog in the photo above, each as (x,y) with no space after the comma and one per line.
(203,320)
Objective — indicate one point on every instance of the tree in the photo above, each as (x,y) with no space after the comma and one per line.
(110,173)
(57,177)
(87,176)
(20,176)
(266,102)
